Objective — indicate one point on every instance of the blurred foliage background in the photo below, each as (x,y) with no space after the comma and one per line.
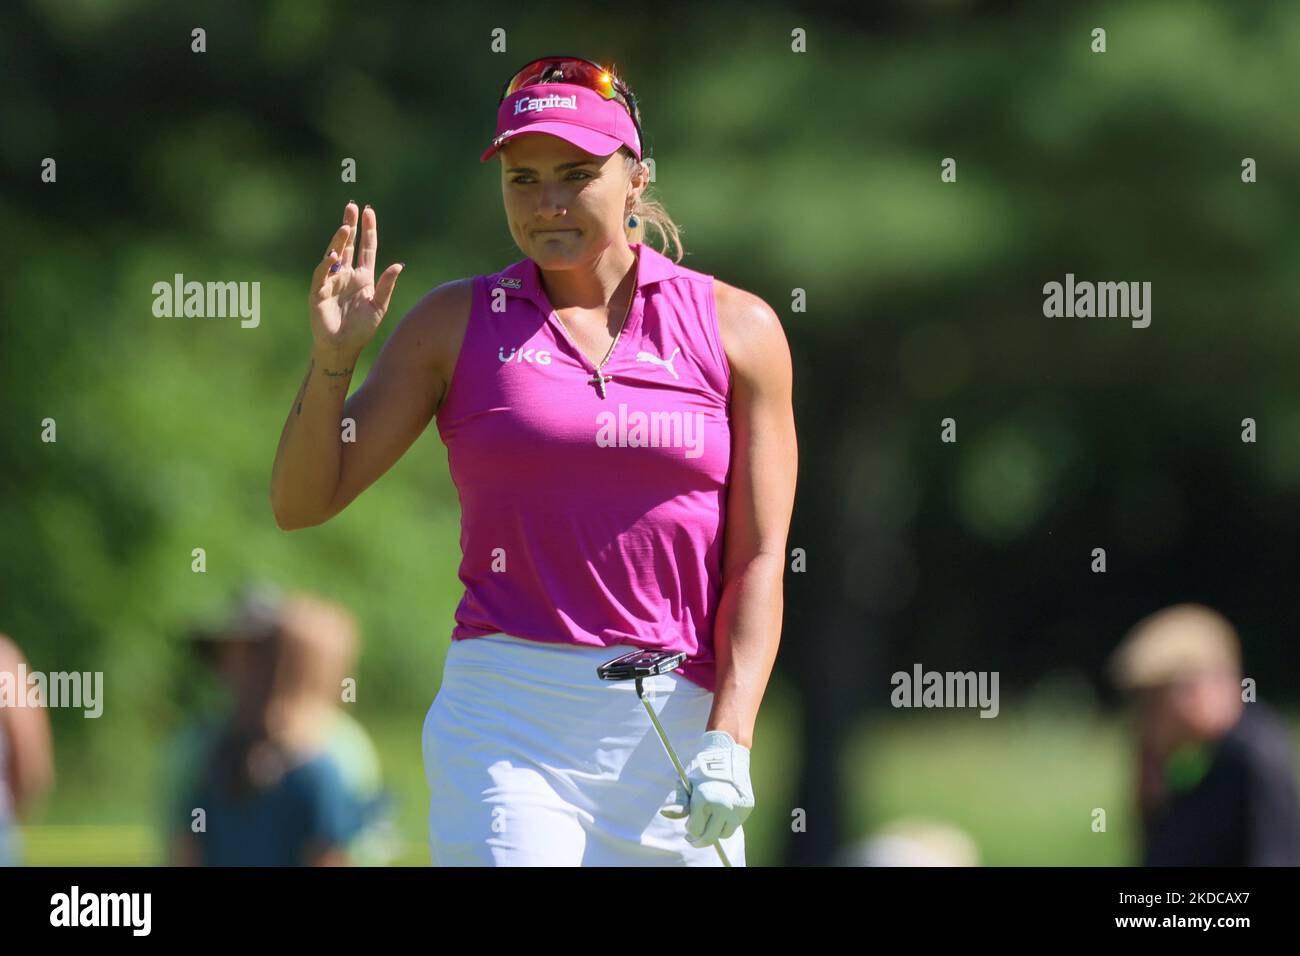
(817,171)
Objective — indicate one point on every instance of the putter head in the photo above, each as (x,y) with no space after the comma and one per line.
(640,663)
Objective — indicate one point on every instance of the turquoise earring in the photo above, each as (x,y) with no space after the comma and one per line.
(632,221)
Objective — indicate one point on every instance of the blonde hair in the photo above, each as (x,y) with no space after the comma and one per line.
(651,212)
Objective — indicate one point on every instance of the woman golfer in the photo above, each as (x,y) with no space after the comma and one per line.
(620,432)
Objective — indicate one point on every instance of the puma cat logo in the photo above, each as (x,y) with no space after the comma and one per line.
(666,363)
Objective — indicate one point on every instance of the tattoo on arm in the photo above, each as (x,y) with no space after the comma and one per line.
(303,390)
(340,373)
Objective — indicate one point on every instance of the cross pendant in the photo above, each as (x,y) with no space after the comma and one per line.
(600,381)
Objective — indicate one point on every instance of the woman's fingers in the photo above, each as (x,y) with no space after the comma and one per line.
(369,239)
(336,240)
(322,272)
(350,239)
(384,287)
(333,259)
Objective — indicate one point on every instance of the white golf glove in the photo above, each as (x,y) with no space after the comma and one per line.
(721,794)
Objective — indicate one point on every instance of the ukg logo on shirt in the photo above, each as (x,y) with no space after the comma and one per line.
(540,356)
(651,430)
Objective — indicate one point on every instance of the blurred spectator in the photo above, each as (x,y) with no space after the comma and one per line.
(1216,781)
(913,842)
(26,754)
(288,778)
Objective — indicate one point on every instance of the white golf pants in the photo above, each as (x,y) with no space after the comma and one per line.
(533,760)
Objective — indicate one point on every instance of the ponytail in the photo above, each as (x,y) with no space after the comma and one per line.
(651,212)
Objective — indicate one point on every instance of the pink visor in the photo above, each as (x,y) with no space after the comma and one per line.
(574,113)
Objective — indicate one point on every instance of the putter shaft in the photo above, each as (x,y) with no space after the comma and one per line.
(677,764)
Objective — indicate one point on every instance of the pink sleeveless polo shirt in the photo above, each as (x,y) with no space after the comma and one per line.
(589,520)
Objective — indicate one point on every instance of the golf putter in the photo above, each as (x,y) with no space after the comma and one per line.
(638,665)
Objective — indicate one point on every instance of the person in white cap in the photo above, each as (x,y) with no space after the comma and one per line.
(1216,784)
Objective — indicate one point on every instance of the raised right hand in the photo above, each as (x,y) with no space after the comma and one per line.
(347,304)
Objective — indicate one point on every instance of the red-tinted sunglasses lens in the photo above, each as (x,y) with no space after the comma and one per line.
(564,70)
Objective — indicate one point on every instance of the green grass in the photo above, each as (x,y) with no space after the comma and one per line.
(1023,787)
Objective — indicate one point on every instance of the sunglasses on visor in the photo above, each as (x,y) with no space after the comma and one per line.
(576,70)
